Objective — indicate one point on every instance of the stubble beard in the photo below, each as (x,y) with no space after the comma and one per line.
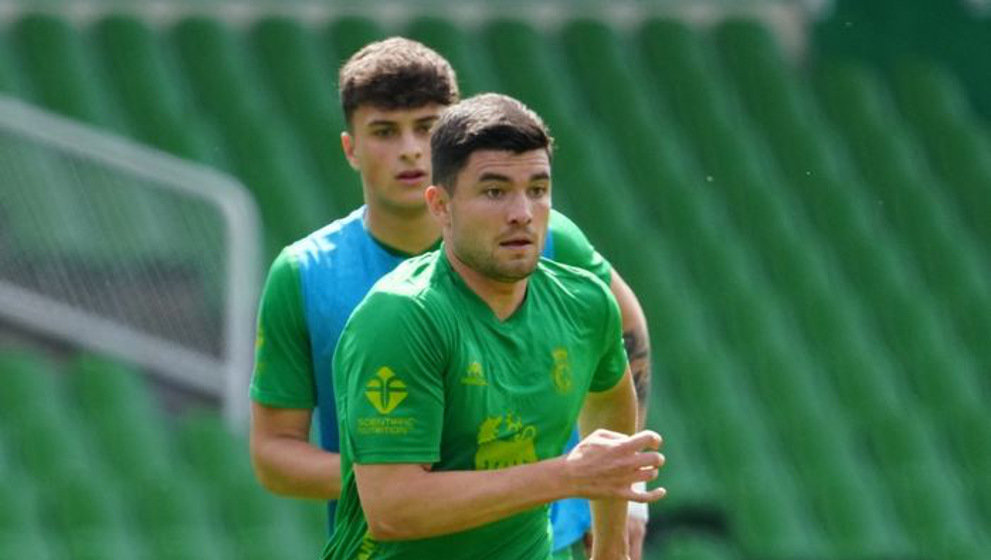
(488,265)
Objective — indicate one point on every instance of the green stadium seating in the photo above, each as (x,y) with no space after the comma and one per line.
(192,541)
(216,456)
(345,35)
(27,544)
(101,544)
(686,545)
(457,45)
(55,56)
(810,255)
(149,86)
(288,56)
(21,512)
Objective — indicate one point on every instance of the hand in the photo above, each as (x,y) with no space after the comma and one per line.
(606,464)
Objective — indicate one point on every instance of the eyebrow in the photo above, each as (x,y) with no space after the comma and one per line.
(389,122)
(542,175)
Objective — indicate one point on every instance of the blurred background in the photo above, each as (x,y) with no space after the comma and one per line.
(798,191)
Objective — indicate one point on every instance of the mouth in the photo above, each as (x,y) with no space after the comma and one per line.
(412,176)
(516,242)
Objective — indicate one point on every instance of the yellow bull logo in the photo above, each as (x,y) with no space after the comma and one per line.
(515,448)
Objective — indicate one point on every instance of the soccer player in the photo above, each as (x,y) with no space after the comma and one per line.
(392,92)
(461,375)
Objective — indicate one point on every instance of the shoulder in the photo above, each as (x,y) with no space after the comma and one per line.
(283,276)
(323,245)
(578,284)
(568,244)
(408,290)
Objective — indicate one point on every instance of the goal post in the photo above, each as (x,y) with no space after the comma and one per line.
(128,251)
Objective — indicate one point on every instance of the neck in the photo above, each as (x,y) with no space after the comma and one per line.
(503,298)
(410,231)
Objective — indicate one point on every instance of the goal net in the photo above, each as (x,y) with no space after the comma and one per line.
(128,251)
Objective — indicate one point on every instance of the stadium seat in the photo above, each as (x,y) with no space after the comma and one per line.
(81,504)
(693,492)
(63,76)
(191,541)
(21,512)
(457,45)
(149,86)
(28,544)
(686,545)
(97,544)
(288,56)
(30,386)
(172,502)
(345,35)
(218,71)
(215,454)
(775,524)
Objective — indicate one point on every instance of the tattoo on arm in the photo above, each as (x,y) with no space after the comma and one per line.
(638,353)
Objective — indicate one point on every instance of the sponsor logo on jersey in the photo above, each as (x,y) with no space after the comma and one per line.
(385,391)
(503,441)
(474,375)
(561,372)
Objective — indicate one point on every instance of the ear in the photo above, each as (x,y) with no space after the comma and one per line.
(439,204)
(347,144)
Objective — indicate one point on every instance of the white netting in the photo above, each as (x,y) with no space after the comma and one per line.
(127,251)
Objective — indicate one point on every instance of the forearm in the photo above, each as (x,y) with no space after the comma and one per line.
(638,352)
(285,461)
(422,503)
(295,468)
(614,410)
(636,339)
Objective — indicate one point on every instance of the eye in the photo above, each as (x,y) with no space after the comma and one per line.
(537,191)
(493,193)
(424,128)
(383,132)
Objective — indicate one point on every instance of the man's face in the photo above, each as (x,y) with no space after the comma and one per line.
(498,212)
(391,150)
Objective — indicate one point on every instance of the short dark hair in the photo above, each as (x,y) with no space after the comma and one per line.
(396,73)
(489,121)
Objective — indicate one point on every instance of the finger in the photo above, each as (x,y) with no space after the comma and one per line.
(607,434)
(648,459)
(648,496)
(647,439)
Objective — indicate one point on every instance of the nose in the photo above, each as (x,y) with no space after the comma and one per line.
(520,209)
(412,148)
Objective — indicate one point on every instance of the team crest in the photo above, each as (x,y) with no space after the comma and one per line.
(561,372)
(385,391)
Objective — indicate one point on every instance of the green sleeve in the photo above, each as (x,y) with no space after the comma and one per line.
(571,247)
(613,363)
(389,366)
(283,375)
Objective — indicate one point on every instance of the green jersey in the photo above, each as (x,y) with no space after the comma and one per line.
(425,373)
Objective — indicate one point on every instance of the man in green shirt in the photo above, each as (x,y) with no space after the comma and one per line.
(461,375)
(391,93)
